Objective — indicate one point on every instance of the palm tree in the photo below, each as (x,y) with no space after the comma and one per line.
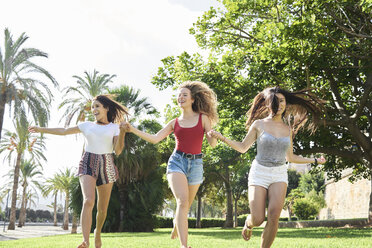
(87,88)
(129,163)
(51,185)
(17,87)
(29,177)
(20,142)
(65,182)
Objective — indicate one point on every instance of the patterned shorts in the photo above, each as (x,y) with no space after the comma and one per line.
(99,166)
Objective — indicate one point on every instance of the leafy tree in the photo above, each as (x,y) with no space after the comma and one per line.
(312,181)
(20,142)
(18,86)
(325,45)
(297,44)
(293,180)
(87,87)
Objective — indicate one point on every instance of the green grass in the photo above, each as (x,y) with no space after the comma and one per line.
(213,238)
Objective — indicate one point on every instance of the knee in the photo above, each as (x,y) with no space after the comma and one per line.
(257,220)
(183,202)
(273,214)
(102,212)
(88,202)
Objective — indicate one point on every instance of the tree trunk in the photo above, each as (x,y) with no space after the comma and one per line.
(289,213)
(2,110)
(22,213)
(65,219)
(198,216)
(370,206)
(122,196)
(236,212)
(74,223)
(12,220)
(55,210)
(229,203)
(25,217)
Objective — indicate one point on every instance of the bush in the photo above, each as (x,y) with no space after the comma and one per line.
(305,209)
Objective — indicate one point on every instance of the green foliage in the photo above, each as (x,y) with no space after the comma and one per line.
(293,180)
(305,209)
(312,181)
(167,222)
(317,198)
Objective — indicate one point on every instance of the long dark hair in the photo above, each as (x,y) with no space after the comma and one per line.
(116,112)
(299,105)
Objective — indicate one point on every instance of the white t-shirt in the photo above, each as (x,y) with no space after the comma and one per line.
(99,138)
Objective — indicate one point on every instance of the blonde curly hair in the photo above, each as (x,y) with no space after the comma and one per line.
(205,100)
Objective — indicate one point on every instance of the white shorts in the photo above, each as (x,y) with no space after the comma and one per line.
(260,175)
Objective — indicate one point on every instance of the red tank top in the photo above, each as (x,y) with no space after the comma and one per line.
(189,140)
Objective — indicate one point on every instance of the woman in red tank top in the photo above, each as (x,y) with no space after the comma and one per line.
(185,166)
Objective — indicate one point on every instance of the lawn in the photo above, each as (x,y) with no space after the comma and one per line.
(214,238)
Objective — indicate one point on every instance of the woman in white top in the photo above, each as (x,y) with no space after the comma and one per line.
(97,168)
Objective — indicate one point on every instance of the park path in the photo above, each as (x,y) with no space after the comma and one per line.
(32,231)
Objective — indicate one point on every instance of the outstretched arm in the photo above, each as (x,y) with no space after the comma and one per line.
(56,131)
(293,158)
(243,146)
(208,127)
(152,138)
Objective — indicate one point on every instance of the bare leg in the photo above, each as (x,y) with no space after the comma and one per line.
(276,195)
(103,198)
(88,184)
(180,188)
(193,189)
(257,199)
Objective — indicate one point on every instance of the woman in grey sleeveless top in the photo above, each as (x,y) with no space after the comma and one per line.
(273,118)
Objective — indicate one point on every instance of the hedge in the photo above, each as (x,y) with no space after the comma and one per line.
(167,222)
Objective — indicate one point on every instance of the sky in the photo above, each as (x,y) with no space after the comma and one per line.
(121,37)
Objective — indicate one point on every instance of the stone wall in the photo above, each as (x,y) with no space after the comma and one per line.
(346,200)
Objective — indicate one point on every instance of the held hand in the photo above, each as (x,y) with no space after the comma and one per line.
(215,134)
(34,129)
(321,160)
(125,126)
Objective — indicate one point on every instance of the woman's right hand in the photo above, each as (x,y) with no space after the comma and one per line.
(215,134)
(34,129)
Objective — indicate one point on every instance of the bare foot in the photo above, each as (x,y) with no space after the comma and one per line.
(246,232)
(174,233)
(83,245)
(97,239)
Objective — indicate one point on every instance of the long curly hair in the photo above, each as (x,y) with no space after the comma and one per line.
(116,111)
(303,108)
(205,100)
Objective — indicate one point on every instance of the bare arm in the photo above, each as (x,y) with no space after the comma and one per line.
(56,131)
(152,138)
(208,127)
(293,158)
(243,146)
(119,140)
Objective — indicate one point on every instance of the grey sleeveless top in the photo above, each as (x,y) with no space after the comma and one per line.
(271,150)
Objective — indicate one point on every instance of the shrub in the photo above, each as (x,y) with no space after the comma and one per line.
(305,209)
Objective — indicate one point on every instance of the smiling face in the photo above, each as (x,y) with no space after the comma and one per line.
(99,112)
(184,98)
(282,103)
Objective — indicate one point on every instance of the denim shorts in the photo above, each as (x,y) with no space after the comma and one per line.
(264,176)
(191,168)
